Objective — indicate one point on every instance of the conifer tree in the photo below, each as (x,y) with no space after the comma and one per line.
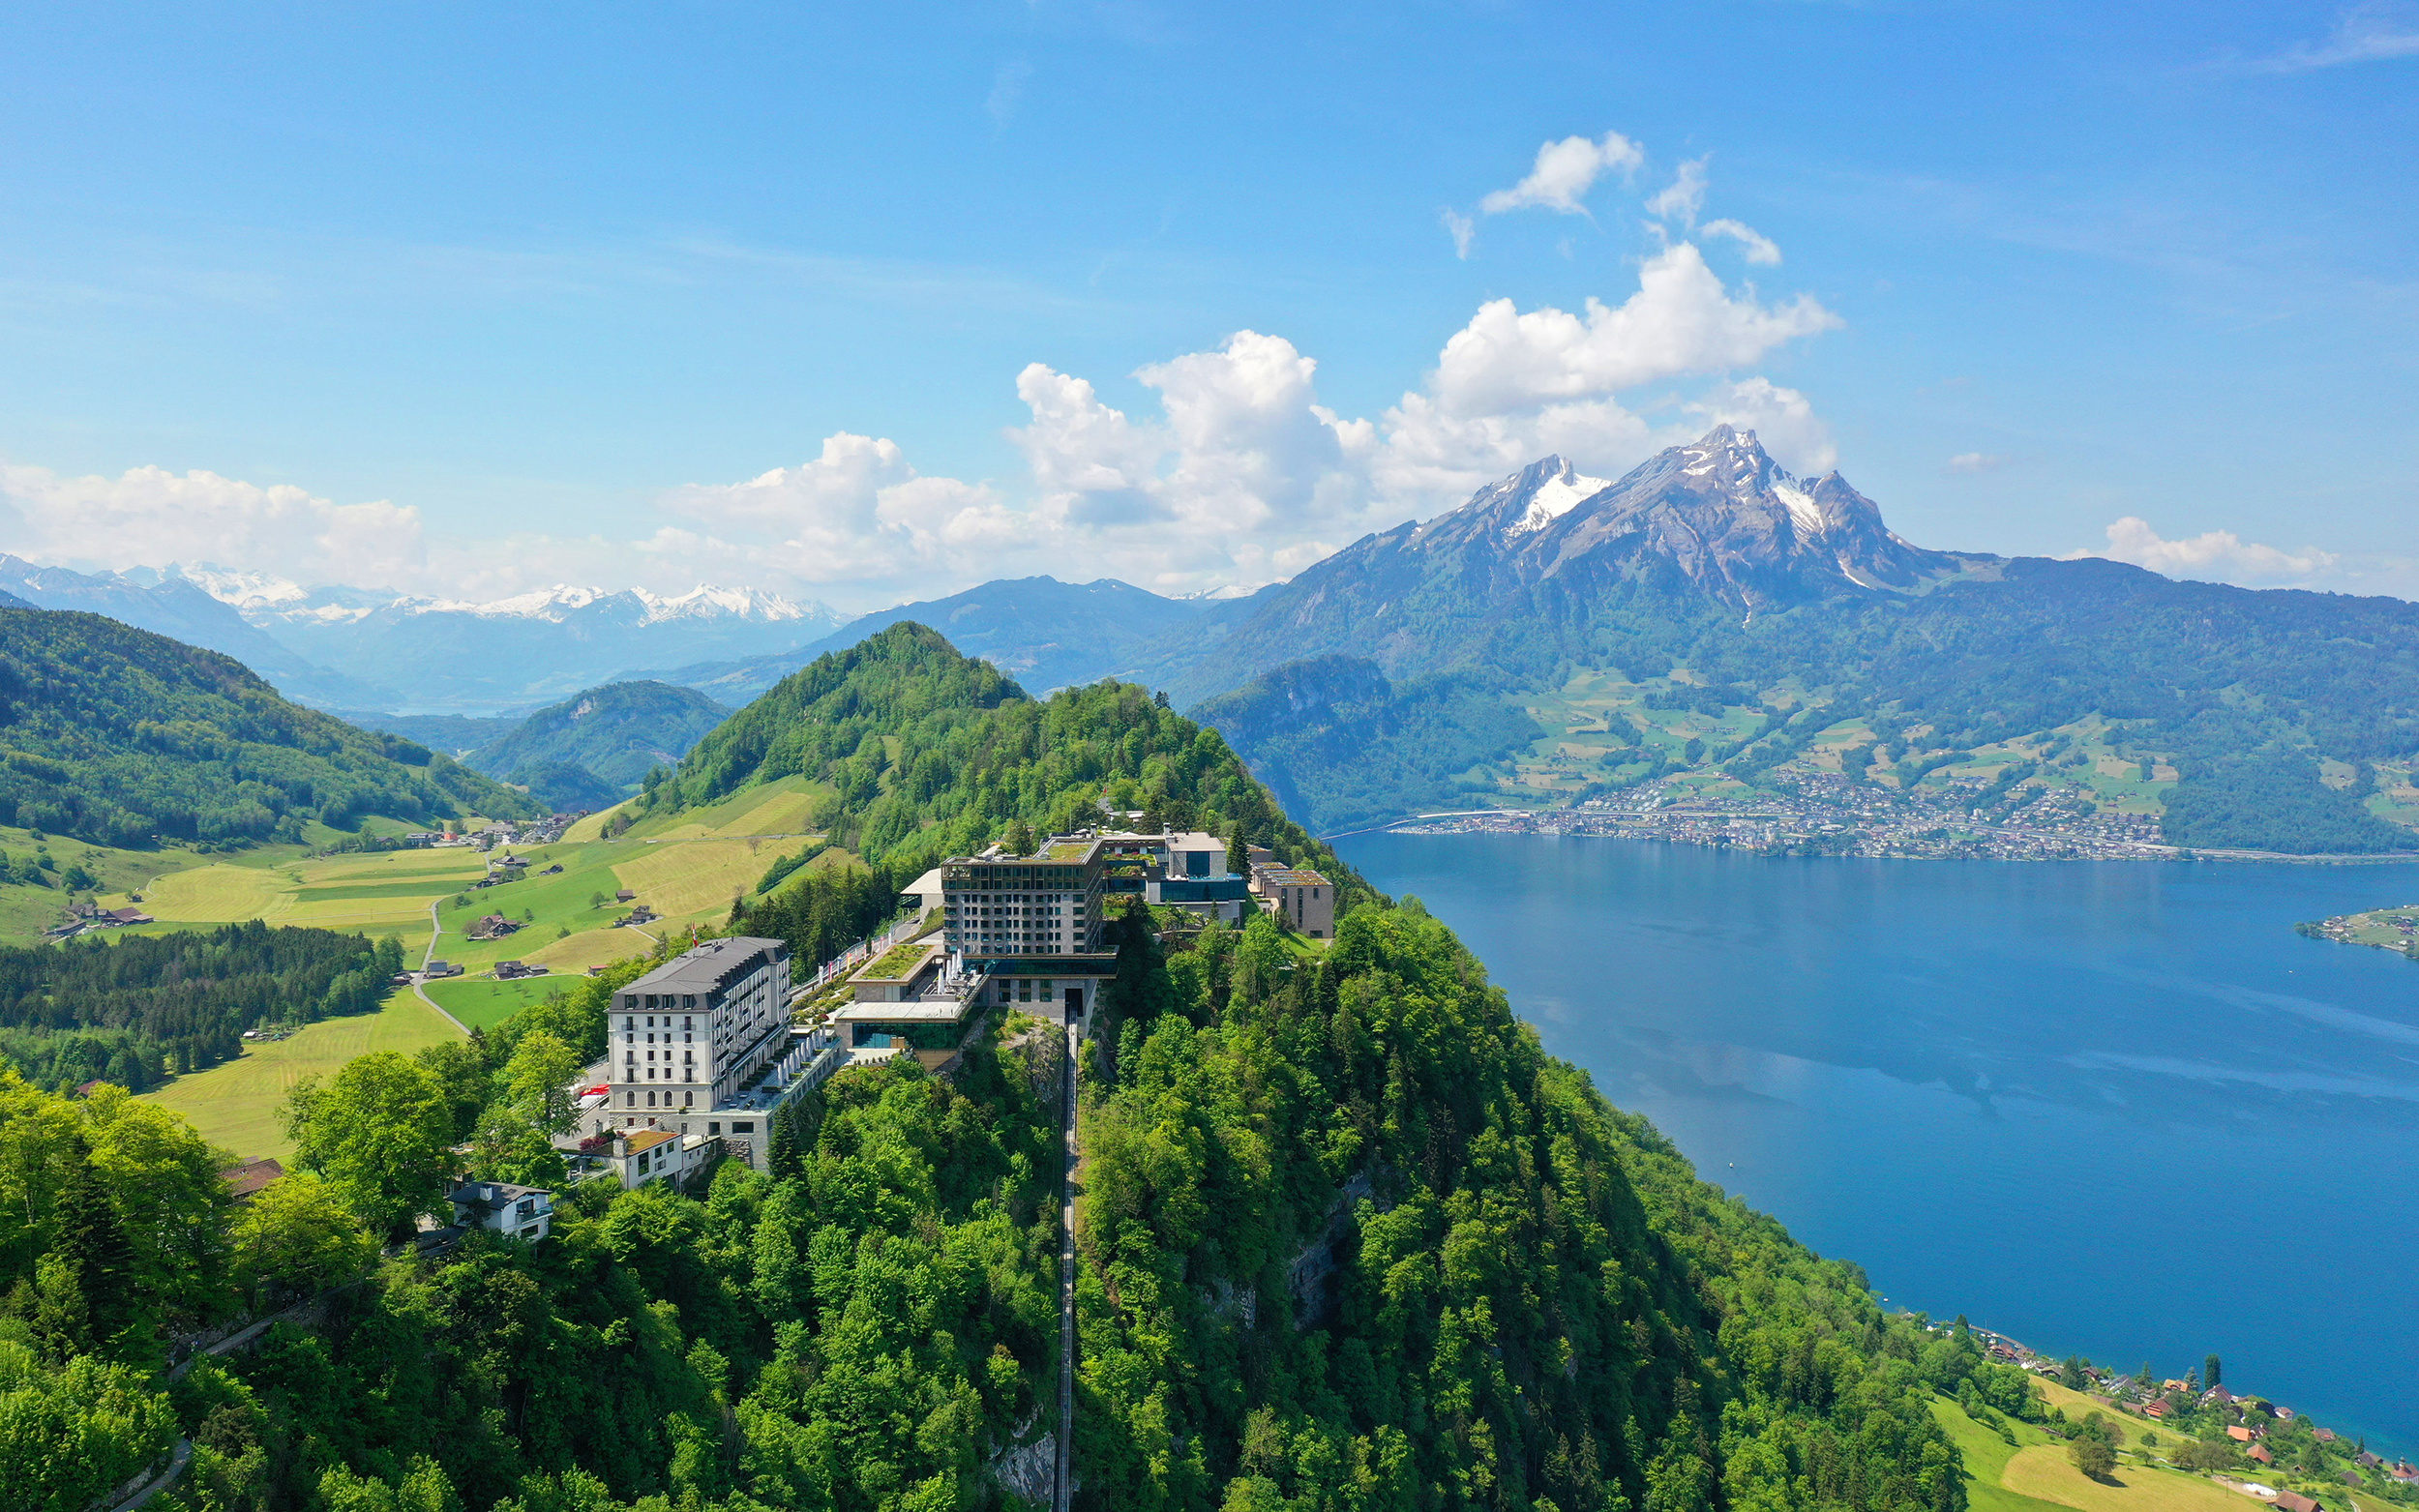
(91,1301)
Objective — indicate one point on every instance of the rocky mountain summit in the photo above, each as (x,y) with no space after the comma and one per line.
(1719,513)
(1715,524)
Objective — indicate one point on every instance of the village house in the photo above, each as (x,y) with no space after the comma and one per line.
(2239,1433)
(2259,1452)
(244,1182)
(494,926)
(638,1156)
(1304,899)
(518,1212)
(2295,1501)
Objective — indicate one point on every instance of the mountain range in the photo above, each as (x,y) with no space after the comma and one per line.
(1708,567)
(352,648)
(1044,632)
(530,648)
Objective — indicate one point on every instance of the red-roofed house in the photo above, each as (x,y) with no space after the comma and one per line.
(2259,1452)
(244,1181)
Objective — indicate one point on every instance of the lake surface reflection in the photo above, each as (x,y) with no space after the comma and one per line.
(2119,1108)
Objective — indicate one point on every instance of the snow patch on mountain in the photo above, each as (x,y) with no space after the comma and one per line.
(1555,497)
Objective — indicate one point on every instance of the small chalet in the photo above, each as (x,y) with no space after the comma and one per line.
(2156,1407)
(2239,1433)
(2259,1452)
(639,1156)
(494,926)
(625,896)
(2295,1501)
(244,1181)
(123,916)
(500,1207)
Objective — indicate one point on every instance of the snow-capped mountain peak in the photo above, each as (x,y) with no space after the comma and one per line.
(243,590)
(707,602)
(1555,496)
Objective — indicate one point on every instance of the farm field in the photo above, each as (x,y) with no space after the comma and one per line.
(2035,1474)
(235,1105)
(783,807)
(482,1003)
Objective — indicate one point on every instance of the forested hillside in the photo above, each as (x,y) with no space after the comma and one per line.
(141,1008)
(1350,1240)
(1340,745)
(929,753)
(119,736)
(616,734)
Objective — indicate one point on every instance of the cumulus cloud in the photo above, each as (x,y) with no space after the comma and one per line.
(856,512)
(1682,320)
(2217,556)
(2370,33)
(1783,419)
(150,517)
(1565,171)
(1976,462)
(1760,248)
(1683,198)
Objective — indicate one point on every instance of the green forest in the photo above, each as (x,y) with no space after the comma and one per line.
(122,737)
(1350,1240)
(138,1009)
(614,735)
(931,753)
(1336,741)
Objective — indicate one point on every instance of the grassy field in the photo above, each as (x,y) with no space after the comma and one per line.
(482,1003)
(2036,1475)
(2045,1472)
(1986,1455)
(235,1105)
(781,807)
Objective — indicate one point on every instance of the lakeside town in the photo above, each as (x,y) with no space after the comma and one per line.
(1820,812)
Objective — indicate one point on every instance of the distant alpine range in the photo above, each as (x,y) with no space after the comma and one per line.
(1431,662)
(353,648)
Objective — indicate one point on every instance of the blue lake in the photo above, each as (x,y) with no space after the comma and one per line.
(2116,1109)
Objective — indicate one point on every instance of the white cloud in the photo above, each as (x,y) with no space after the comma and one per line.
(1460,228)
(1682,320)
(151,516)
(1565,171)
(2218,556)
(1976,462)
(1760,248)
(1684,196)
(1783,419)
(2369,33)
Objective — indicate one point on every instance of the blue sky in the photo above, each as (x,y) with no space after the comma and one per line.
(865,307)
